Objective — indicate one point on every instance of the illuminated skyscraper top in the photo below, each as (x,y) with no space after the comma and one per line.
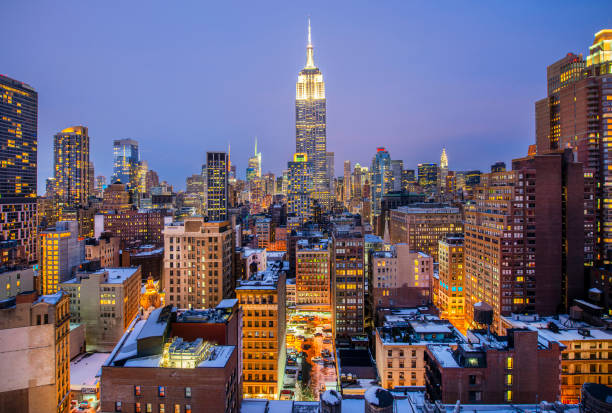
(311,122)
(444,159)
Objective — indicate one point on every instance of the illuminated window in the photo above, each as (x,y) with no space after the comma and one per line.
(137,390)
(117,406)
(187,391)
(509,363)
(137,407)
(162,408)
(509,379)
(509,395)
(161,390)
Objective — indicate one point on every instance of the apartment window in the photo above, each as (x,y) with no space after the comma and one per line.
(137,391)
(389,364)
(187,391)
(475,396)
(472,380)
(161,391)
(401,353)
(162,408)
(390,375)
(508,395)
(509,379)
(38,319)
(389,353)
(509,363)
(413,353)
(149,408)
(187,408)
(46,318)
(177,408)
(137,407)
(117,406)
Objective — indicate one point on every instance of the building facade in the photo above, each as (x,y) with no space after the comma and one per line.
(18,163)
(451,272)
(313,275)
(72,167)
(61,252)
(216,186)
(198,263)
(34,331)
(106,302)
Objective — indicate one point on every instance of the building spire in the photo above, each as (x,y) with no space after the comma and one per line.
(255,145)
(309,49)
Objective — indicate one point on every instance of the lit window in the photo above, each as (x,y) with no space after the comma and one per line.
(187,391)
(117,406)
(509,395)
(161,391)
(137,390)
(509,363)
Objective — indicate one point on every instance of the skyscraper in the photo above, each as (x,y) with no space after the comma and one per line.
(125,163)
(216,185)
(72,166)
(428,175)
(577,114)
(300,186)
(18,138)
(381,178)
(311,122)
(443,172)
(347,182)
(254,165)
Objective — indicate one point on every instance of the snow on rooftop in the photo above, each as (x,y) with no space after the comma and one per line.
(85,370)
(52,299)
(227,303)
(218,357)
(444,355)
(151,361)
(331,397)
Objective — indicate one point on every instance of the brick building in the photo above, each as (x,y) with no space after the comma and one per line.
(130,225)
(491,369)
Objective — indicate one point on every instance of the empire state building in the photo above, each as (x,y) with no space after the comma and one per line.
(310,123)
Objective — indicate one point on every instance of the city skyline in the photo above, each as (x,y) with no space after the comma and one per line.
(365,47)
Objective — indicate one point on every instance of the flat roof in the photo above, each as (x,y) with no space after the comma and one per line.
(85,369)
(444,355)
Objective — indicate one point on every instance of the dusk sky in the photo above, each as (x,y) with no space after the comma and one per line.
(186,77)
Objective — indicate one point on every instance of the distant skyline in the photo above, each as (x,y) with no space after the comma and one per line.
(195,77)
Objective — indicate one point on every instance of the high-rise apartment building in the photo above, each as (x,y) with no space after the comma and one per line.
(300,186)
(125,163)
(106,302)
(313,275)
(577,114)
(451,291)
(198,262)
(216,186)
(524,238)
(311,122)
(35,353)
(72,167)
(348,282)
(61,252)
(422,225)
(330,164)
(18,164)
(381,178)
(262,299)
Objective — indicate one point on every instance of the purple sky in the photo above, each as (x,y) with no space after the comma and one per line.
(186,77)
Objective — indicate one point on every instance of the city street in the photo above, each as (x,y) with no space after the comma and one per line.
(310,333)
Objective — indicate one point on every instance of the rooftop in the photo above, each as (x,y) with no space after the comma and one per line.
(85,370)
(263,280)
(559,328)
(115,275)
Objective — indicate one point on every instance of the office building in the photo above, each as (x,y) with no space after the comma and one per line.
(18,163)
(576,114)
(72,167)
(15,280)
(104,249)
(311,122)
(115,197)
(451,282)
(61,252)
(491,369)
(125,163)
(130,225)
(106,302)
(397,166)
(524,238)
(382,177)
(264,231)
(299,190)
(348,187)
(216,186)
(35,355)
(422,225)
(176,361)
(428,175)
(348,281)
(262,300)
(443,173)
(149,258)
(400,278)
(313,275)
(198,263)
(254,165)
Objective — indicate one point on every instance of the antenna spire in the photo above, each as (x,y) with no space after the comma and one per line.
(309,49)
